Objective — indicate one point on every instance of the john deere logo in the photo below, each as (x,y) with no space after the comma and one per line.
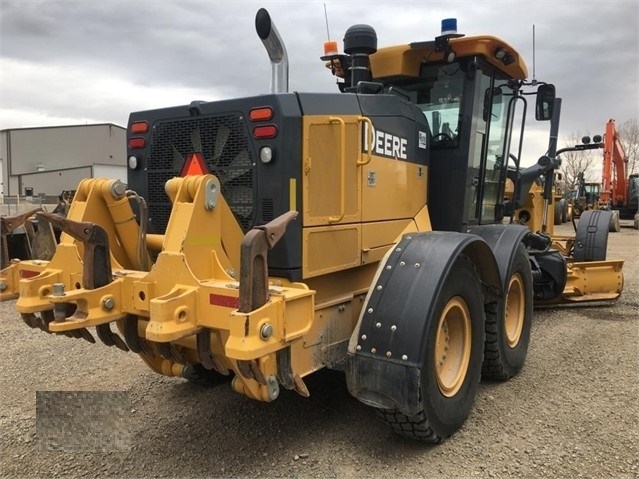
(385,144)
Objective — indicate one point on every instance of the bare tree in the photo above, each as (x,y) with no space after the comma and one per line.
(575,162)
(629,135)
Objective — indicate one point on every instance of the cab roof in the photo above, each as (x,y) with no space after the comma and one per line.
(406,60)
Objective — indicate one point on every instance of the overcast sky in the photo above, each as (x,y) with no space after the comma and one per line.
(90,61)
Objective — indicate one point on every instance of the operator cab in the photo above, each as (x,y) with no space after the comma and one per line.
(467,88)
(466,105)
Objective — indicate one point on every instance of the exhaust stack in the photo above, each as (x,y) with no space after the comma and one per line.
(276,51)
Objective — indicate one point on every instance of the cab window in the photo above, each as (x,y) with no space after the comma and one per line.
(439,95)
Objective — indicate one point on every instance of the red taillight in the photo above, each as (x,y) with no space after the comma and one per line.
(194,165)
(266,131)
(139,127)
(261,114)
(136,143)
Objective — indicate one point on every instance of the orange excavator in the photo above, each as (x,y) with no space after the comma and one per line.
(619,190)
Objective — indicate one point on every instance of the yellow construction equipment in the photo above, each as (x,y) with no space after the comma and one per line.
(366,231)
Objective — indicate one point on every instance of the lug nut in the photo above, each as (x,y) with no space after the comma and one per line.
(3,285)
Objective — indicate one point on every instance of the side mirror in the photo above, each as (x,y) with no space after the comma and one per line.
(545,101)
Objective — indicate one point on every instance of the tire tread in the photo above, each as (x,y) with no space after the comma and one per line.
(496,365)
(493,366)
(412,427)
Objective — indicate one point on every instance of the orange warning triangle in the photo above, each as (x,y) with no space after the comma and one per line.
(194,165)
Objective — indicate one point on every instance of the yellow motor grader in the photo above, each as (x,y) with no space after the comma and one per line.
(365,230)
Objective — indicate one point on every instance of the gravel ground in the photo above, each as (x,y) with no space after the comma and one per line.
(572,412)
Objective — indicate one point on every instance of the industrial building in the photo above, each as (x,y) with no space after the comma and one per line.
(45,161)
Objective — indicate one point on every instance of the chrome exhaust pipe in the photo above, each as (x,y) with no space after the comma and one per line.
(276,51)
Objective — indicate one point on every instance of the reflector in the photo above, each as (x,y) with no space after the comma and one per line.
(266,131)
(137,143)
(194,165)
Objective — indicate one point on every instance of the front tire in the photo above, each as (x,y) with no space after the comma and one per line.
(591,238)
(508,323)
(615,225)
(452,363)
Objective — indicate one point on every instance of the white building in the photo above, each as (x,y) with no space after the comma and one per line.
(48,160)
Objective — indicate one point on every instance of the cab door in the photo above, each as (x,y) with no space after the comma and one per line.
(493,133)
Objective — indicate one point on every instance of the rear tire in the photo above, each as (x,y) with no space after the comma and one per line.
(452,363)
(508,323)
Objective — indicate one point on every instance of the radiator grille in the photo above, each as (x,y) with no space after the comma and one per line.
(268,209)
(225,145)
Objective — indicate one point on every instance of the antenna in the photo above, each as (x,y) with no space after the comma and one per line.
(534,78)
(330,47)
(328,34)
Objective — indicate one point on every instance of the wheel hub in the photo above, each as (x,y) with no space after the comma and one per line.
(514,310)
(452,346)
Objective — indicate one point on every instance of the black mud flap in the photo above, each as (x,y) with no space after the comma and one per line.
(385,384)
(503,241)
(548,268)
(387,348)
(591,241)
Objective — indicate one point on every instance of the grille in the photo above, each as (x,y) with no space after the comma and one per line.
(224,143)
(268,209)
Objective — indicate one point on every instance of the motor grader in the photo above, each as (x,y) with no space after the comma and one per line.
(365,230)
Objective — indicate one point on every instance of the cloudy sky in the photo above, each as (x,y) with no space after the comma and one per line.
(91,61)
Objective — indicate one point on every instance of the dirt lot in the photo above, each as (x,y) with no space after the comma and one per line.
(572,412)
